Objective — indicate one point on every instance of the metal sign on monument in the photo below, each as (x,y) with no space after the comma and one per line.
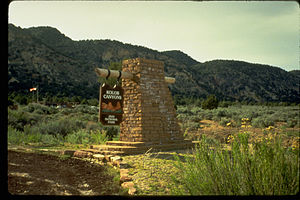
(111,105)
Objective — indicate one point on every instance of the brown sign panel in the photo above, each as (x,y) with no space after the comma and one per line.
(111,105)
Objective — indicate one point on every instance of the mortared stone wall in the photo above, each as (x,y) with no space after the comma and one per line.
(149,112)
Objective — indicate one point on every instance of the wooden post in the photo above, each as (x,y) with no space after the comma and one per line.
(124,75)
(37,94)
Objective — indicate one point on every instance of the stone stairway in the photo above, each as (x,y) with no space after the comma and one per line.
(130,148)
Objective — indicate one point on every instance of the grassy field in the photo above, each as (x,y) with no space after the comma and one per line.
(243,149)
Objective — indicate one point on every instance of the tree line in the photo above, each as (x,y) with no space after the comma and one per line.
(211,102)
(25,99)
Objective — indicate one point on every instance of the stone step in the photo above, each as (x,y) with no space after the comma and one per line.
(138,144)
(113,153)
(124,143)
(117,148)
(91,150)
(128,148)
(96,146)
(143,149)
(172,146)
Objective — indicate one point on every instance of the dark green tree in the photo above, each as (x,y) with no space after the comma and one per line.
(76,99)
(210,103)
(21,99)
(10,102)
(84,101)
(92,102)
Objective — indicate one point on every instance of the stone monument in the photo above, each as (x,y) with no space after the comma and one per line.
(149,115)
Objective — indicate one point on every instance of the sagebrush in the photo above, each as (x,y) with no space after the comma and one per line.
(262,168)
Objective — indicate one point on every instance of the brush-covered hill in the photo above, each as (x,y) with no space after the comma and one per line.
(295,72)
(43,56)
(237,80)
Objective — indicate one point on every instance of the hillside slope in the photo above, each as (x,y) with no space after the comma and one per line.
(237,80)
(43,56)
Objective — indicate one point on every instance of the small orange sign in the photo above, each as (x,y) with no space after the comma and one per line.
(32,89)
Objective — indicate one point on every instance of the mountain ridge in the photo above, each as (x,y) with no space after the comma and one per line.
(44,56)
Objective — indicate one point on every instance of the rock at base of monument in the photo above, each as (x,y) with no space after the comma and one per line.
(125,178)
(130,187)
(82,154)
(123,165)
(116,158)
(99,157)
(68,152)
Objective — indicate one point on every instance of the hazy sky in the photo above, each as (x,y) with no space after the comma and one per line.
(257,32)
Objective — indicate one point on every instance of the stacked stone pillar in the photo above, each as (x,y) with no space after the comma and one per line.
(149,112)
(149,115)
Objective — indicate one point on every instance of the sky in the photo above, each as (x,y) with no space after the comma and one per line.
(257,32)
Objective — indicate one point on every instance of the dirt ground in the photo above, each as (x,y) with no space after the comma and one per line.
(41,174)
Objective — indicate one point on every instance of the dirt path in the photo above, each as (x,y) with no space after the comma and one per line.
(41,174)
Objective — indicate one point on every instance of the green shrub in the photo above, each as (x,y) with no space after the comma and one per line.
(17,137)
(93,126)
(77,137)
(61,126)
(86,109)
(268,121)
(193,125)
(207,115)
(292,123)
(10,101)
(98,137)
(262,122)
(258,123)
(222,113)
(224,104)
(195,118)
(52,139)
(184,110)
(18,119)
(84,137)
(181,117)
(224,121)
(216,118)
(39,109)
(85,117)
(26,116)
(93,102)
(21,99)
(66,111)
(112,131)
(33,138)
(195,110)
(14,136)
(264,168)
